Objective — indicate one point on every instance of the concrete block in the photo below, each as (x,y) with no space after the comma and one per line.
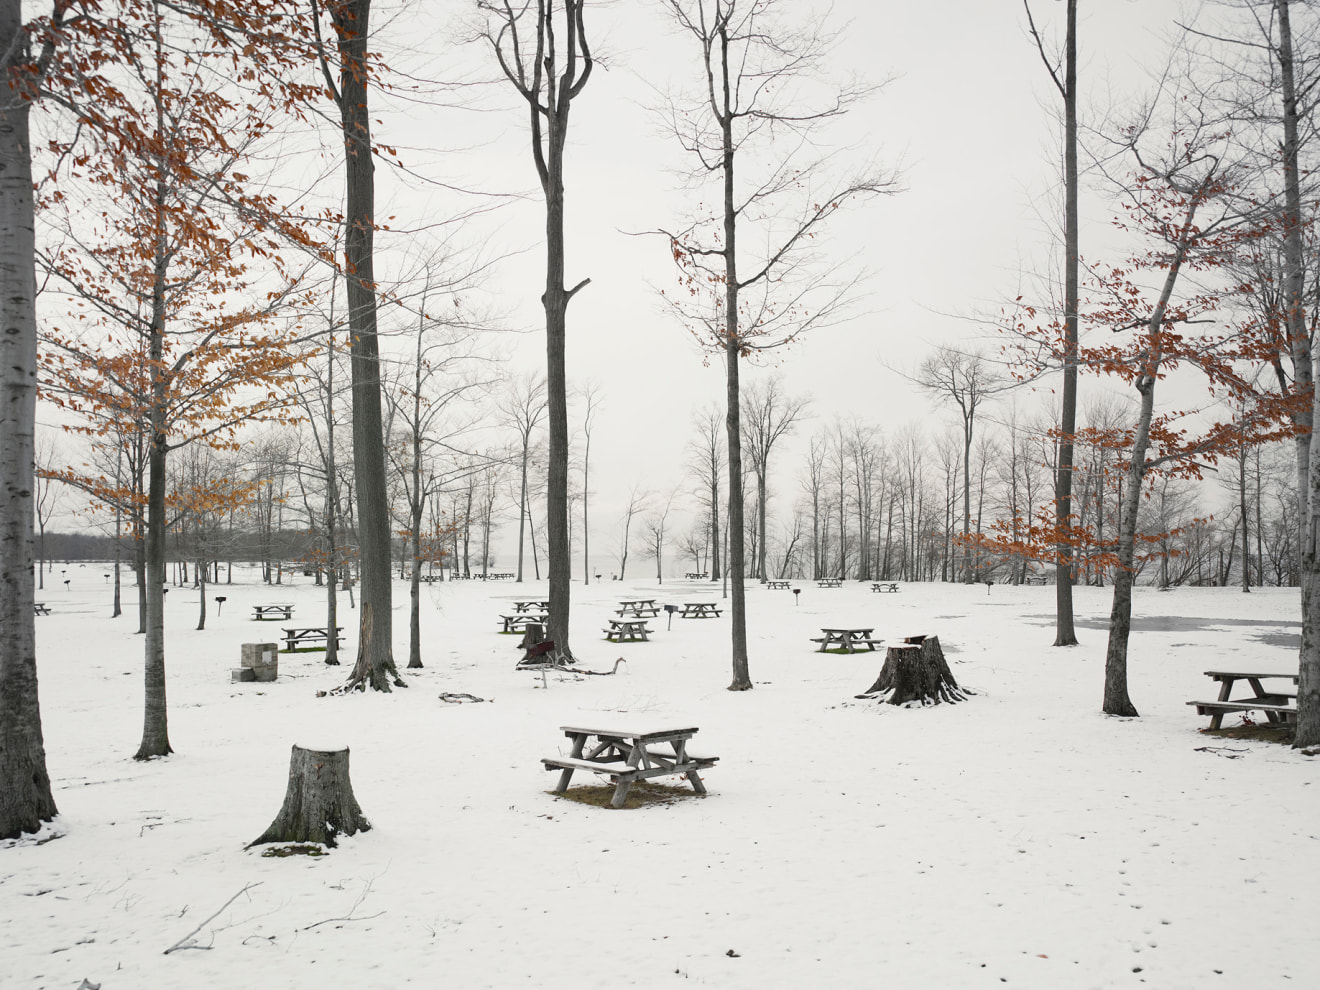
(262,659)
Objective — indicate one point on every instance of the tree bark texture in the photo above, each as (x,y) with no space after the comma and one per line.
(1065,633)
(155,725)
(735,564)
(319,803)
(916,674)
(375,659)
(1308,445)
(25,793)
(558,74)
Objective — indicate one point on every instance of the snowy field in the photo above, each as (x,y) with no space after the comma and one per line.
(1019,838)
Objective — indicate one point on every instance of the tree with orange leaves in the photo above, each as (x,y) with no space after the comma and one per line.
(1181,200)
(81,58)
(156,327)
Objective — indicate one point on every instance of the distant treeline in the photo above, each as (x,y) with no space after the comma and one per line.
(289,545)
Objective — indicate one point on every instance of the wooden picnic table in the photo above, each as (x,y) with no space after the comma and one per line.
(512,623)
(830,583)
(700,610)
(847,640)
(529,606)
(263,613)
(638,608)
(628,754)
(1278,706)
(885,586)
(629,630)
(777,585)
(41,608)
(293,638)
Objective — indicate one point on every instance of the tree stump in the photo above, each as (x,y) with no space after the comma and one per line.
(537,650)
(319,803)
(916,673)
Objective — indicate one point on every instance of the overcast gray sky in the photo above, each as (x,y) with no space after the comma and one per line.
(967,115)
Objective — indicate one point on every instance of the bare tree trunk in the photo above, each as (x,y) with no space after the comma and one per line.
(415,584)
(155,728)
(375,660)
(760,524)
(331,512)
(1065,633)
(522,513)
(1308,445)
(549,81)
(1242,508)
(1116,700)
(25,794)
(200,572)
(117,610)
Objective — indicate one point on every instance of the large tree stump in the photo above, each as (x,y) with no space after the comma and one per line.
(319,803)
(538,652)
(916,673)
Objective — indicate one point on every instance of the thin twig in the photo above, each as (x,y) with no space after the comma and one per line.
(184,942)
(349,917)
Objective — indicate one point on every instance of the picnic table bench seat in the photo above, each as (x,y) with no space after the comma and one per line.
(1272,708)
(266,613)
(512,623)
(700,610)
(621,770)
(1278,706)
(295,637)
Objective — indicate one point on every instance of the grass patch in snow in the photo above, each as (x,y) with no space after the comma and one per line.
(642,793)
(298,849)
(1275,732)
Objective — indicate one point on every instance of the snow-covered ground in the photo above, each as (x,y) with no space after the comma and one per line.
(1019,838)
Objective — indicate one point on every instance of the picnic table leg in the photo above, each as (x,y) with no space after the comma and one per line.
(1215,719)
(621,792)
(565,776)
(696,781)
(1225,689)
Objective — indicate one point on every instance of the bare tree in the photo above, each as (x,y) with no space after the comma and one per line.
(549,78)
(523,408)
(637,502)
(657,533)
(968,380)
(1064,77)
(591,401)
(768,415)
(813,486)
(750,64)
(350,21)
(48,494)
(422,403)
(706,462)
(317,395)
